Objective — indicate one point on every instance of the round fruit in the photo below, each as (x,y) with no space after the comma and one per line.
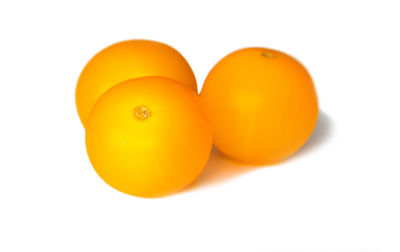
(261,103)
(148,136)
(126,60)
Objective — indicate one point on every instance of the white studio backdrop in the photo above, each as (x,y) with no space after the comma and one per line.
(339,193)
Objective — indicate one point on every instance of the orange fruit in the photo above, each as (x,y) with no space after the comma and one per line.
(148,136)
(261,103)
(126,60)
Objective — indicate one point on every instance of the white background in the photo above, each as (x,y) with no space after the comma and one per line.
(339,193)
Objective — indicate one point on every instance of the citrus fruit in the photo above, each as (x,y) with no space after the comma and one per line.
(126,60)
(148,136)
(261,103)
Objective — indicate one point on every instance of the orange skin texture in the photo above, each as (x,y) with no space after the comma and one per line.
(261,103)
(126,60)
(148,137)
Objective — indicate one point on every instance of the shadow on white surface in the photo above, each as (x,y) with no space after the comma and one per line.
(221,168)
(322,132)
(218,169)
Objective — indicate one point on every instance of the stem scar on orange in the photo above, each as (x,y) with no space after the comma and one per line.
(148,136)
(126,60)
(262,105)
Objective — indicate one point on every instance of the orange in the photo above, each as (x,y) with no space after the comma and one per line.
(148,136)
(261,103)
(126,60)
